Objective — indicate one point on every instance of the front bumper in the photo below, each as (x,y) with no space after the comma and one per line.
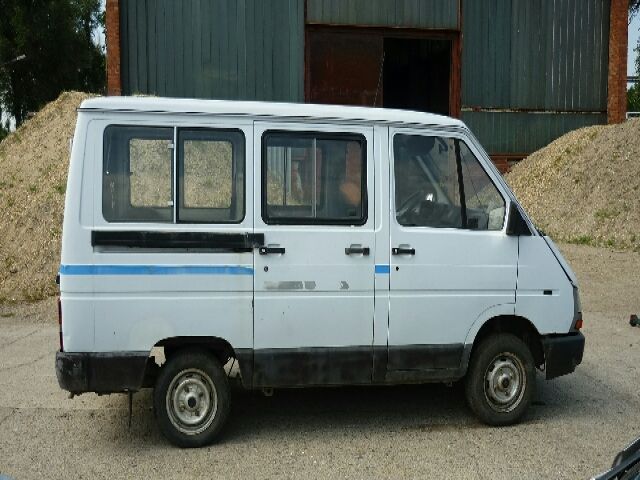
(101,372)
(562,353)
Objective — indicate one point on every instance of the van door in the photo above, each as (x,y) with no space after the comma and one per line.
(314,276)
(451,260)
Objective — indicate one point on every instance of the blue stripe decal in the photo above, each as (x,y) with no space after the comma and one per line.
(383,269)
(155,270)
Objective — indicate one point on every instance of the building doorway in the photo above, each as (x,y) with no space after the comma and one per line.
(416,74)
(382,68)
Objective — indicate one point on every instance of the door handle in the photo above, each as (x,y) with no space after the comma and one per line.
(353,250)
(268,250)
(403,251)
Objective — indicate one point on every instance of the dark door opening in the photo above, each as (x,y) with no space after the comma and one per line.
(380,68)
(344,68)
(416,74)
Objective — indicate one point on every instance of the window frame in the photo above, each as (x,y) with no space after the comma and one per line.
(176,167)
(127,164)
(318,135)
(179,185)
(481,159)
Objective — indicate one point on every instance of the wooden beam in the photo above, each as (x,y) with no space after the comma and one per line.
(114,79)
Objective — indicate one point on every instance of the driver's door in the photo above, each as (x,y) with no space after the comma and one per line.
(451,259)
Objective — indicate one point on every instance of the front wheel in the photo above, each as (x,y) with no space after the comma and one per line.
(191,398)
(501,380)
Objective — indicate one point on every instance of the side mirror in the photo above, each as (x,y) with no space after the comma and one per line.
(516,224)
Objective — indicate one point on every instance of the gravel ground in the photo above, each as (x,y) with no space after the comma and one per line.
(575,426)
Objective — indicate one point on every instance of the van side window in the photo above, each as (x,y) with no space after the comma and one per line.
(138,175)
(211,176)
(485,205)
(440,183)
(314,178)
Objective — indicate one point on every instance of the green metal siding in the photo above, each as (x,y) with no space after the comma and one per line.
(228,49)
(535,54)
(518,56)
(518,132)
(433,14)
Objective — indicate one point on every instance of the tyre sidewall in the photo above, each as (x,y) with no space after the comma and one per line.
(485,353)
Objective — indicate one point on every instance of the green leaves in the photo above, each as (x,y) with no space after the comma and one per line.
(61,54)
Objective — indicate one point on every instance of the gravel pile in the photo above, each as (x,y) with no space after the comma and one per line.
(584,187)
(34,161)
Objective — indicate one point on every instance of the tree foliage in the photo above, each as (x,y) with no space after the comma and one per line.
(57,38)
(634,8)
(633,94)
(633,98)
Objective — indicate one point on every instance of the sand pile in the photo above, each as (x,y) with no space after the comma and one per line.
(585,186)
(582,188)
(33,172)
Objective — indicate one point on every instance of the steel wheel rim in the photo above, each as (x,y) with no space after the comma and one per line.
(505,382)
(192,401)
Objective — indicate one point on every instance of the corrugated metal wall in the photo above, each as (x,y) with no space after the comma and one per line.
(535,54)
(432,14)
(230,49)
(517,132)
(549,55)
(518,56)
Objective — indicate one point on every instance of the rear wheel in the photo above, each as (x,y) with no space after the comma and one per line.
(501,379)
(191,398)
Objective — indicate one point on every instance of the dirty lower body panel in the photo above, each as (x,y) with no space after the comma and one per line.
(562,353)
(101,372)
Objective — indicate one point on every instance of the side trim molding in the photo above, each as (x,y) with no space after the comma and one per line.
(235,242)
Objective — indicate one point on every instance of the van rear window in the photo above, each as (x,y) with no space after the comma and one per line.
(139,182)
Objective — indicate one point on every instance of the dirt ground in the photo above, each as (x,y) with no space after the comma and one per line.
(574,428)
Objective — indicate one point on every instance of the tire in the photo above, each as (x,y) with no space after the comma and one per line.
(500,383)
(191,399)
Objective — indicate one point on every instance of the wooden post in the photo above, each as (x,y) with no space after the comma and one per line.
(617,82)
(114,80)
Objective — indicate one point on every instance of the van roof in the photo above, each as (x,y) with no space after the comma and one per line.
(265,109)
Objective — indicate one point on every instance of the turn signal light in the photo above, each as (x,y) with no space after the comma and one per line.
(578,324)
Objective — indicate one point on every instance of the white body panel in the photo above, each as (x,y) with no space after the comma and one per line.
(455,275)
(539,270)
(382,252)
(314,295)
(120,299)
(139,297)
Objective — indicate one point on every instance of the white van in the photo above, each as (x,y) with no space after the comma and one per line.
(306,244)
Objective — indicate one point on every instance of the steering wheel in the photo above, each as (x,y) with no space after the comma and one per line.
(415,199)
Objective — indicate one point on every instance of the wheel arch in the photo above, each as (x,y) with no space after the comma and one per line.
(516,325)
(218,346)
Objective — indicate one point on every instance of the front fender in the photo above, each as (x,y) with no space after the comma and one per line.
(503,309)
